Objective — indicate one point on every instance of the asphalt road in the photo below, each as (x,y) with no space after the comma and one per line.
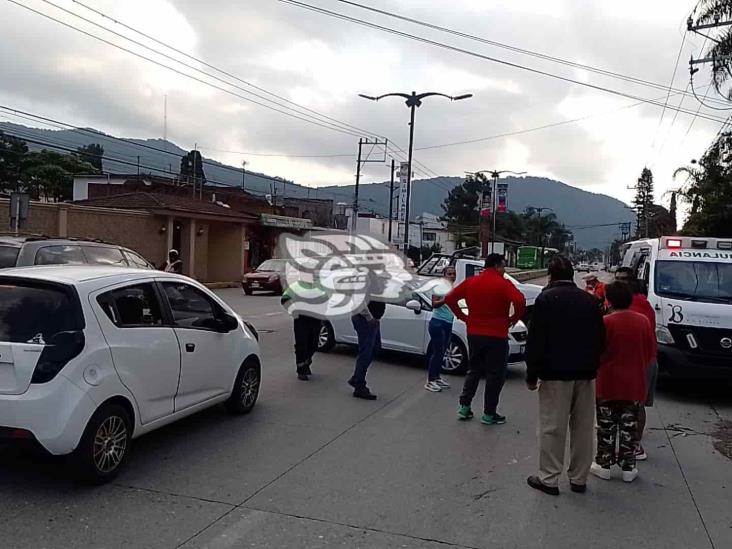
(312,467)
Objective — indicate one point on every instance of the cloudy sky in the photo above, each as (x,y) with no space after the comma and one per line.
(321,63)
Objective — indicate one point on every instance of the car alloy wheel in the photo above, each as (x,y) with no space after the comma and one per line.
(249,388)
(323,336)
(110,444)
(455,360)
(326,337)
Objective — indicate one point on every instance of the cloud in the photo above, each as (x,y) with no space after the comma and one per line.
(323,64)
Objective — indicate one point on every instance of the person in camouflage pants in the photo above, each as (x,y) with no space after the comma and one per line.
(617,419)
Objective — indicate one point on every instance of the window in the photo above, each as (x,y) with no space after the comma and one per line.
(103,255)
(8,256)
(429,237)
(272,266)
(60,255)
(132,306)
(694,281)
(190,306)
(136,260)
(34,313)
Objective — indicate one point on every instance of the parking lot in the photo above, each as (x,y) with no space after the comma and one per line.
(313,467)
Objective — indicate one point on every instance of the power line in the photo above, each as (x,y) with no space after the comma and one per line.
(484,57)
(515,49)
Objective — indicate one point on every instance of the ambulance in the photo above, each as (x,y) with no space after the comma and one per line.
(689,284)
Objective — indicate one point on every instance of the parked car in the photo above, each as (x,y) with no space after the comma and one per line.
(93,357)
(24,251)
(404,328)
(583,267)
(267,277)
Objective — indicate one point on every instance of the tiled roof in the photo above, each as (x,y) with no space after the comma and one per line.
(168,202)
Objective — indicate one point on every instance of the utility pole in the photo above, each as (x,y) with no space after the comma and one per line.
(243,174)
(359,162)
(391,197)
(138,164)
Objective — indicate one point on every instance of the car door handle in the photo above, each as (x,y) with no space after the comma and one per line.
(190,347)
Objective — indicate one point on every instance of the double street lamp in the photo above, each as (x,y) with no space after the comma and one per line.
(495,175)
(413,101)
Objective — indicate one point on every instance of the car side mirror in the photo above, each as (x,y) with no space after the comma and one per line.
(414,305)
(227,323)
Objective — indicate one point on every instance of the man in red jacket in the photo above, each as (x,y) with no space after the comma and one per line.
(621,383)
(489,298)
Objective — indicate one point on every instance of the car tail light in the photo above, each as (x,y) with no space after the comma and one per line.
(62,348)
(673,243)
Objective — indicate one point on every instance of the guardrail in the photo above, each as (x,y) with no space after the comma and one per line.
(525,276)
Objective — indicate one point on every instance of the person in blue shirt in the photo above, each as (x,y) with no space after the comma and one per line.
(440,330)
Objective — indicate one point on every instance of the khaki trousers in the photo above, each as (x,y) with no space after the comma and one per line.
(565,404)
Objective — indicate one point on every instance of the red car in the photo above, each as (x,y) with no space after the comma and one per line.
(266,277)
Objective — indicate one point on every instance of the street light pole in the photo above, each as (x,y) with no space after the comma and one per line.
(413,101)
(494,199)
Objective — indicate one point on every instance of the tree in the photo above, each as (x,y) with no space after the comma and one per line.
(720,49)
(50,174)
(93,154)
(643,201)
(12,152)
(708,191)
(461,210)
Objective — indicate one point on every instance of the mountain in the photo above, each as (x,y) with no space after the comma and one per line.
(574,207)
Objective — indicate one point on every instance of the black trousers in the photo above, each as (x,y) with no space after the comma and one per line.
(489,359)
(307,331)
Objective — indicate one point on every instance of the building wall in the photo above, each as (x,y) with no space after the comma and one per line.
(42,218)
(225,252)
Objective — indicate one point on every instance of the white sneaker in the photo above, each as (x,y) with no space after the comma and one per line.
(630,476)
(640,453)
(432,386)
(600,472)
(442,383)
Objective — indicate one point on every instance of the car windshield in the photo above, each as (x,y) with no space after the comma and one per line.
(31,313)
(272,266)
(694,281)
(8,256)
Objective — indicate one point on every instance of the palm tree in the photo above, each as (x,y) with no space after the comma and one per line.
(714,11)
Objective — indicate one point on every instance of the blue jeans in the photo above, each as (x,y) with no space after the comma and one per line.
(440,333)
(369,342)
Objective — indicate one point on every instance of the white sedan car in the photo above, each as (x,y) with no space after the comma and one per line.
(92,357)
(404,328)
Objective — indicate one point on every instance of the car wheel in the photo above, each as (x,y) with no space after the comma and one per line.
(105,444)
(326,338)
(456,358)
(246,388)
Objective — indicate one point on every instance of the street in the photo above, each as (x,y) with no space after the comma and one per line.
(313,467)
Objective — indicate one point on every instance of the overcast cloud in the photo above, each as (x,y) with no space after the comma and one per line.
(324,63)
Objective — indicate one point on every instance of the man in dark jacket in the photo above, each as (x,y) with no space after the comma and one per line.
(563,350)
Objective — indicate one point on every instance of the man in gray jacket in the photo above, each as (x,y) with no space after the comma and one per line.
(367,325)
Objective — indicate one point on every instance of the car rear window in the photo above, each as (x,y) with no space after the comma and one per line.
(33,313)
(8,256)
(103,255)
(60,255)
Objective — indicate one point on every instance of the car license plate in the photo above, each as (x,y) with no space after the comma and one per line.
(522,349)
(255,284)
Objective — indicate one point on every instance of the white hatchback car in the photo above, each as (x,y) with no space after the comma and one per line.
(404,327)
(92,357)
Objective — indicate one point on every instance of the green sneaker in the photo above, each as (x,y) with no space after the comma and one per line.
(465,412)
(493,419)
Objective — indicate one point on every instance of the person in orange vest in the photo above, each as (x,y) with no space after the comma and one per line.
(594,287)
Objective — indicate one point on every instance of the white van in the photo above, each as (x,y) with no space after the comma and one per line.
(689,282)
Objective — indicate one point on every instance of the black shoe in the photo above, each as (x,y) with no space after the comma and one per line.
(498,419)
(302,376)
(364,393)
(536,484)
(308,372)
(578,488)
(351,383)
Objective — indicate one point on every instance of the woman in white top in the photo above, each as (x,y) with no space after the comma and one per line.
(440,330)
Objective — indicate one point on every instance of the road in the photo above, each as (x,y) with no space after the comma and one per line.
(312,467)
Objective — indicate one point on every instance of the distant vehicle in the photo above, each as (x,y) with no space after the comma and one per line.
(689,283)
(534,257)
(93,357)
(597,266)
(267,277)
(583,267)
(24,251)
(613,269)
(404,328)
(470,266)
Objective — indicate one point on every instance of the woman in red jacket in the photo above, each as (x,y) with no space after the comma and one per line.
(621,383)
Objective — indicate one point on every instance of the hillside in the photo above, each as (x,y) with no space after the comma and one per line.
(573,206)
